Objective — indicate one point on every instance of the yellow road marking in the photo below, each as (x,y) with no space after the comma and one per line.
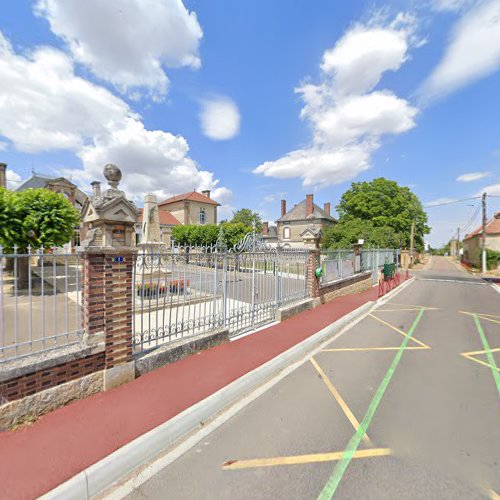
(488,319)
(303,459)
(338,397)
(479,314)
(345,349)
(399,331)
(469,355)
(493,495)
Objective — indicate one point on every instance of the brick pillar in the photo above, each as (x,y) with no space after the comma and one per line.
(312,281)
(108,254)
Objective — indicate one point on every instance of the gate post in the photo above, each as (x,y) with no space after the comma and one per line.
(108,254)
(312,280)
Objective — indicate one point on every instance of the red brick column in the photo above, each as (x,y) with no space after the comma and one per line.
(107,301)
(312,281)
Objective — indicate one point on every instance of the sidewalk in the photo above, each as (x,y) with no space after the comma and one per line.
(39,457)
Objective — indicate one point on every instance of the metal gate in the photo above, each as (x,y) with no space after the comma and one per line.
(185,290)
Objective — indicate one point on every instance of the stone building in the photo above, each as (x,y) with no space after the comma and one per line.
(472,241)
(302,226)
(188,208)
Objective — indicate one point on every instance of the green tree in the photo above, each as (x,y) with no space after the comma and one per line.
(246,217)
(385,204)
(36,218)
(347,232)
(208,234)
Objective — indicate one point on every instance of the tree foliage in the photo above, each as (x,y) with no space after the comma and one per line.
(208,234)
(384,204)
(347,232)
(36,218)
(246,217)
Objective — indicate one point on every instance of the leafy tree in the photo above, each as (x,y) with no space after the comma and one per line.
(208,234)
(385,204)
(36,218)
(347,232)
(246,217)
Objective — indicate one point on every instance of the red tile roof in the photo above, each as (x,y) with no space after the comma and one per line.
(492,227)
(166,218)
(192,196)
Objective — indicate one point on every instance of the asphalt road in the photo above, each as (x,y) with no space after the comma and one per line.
(390,409)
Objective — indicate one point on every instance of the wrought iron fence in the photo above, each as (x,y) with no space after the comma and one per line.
(40,301)
(184,290)
(373,259)
(337,265)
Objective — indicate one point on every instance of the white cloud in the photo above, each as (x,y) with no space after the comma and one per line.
(450,5)
(472,176)
(13,179)
(127,42)
(493,190)
(222,194)
(346,115)
(473,51)
(44,107)
(220,118)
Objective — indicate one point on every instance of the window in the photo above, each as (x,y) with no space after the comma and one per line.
(202,216)
(286,233)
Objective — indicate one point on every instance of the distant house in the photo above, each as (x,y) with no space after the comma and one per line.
(302,226)
(472,241)
(57,184)
(188,208)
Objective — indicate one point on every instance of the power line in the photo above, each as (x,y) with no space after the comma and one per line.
(451,202)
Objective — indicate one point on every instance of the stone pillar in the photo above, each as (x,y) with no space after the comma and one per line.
(108,254)
(3,175)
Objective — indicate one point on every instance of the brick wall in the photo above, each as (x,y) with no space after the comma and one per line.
(356,284)
(31,383)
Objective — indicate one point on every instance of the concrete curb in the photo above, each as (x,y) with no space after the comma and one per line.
(101,475)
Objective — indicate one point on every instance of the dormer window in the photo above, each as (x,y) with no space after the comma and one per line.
(202,216)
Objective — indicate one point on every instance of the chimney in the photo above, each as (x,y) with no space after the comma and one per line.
(265,229)
(283,207)
(309,205)
(497,215)
(327,208)
(206,193)
(96,188)
(3,175)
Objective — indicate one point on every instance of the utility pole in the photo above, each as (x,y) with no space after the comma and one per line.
(458,243)
(483,236)
(412,235)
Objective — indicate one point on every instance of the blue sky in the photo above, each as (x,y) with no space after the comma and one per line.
(257,100)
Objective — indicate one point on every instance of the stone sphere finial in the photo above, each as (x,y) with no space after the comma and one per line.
(113,174)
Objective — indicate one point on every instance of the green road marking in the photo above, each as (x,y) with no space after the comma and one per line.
(489,354)
(332,484)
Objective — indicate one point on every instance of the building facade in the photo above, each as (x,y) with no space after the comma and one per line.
(472,241)
(188,208)
(301,226)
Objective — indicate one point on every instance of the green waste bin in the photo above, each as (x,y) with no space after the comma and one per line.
(389,271)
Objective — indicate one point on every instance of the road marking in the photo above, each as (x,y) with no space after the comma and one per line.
(492,494)
(340,400)
(489,319)
(399,331)
(415,308)
(471,358)
(347,349)
(463,282)
(341,466)
(302,459)
(489,355)
(409,305)
(479,314)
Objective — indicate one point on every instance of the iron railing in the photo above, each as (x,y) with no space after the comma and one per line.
(373,259)
(184,290)
(40,301)
(337,265)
